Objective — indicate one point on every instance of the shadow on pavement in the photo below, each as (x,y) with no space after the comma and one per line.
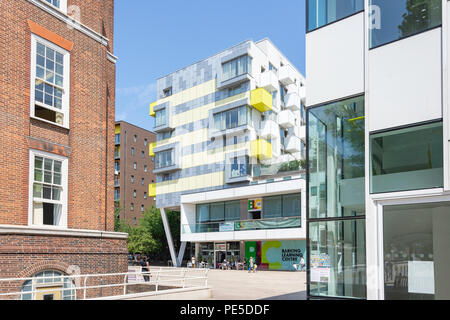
(301,295)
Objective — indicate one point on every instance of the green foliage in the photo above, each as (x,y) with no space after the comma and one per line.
(149,236)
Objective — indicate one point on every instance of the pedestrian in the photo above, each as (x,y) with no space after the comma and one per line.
(302,263)
(250,265)
(193,261)
(145,267)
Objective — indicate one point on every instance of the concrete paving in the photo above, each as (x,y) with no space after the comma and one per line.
(262,285)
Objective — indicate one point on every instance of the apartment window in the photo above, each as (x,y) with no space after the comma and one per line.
(134,194)
(145,168)
(142,181)
(407,159)
(236,90)
(117,152)
(231,118)
(135,138)
(142,154)
(240,167)
(167,92)
(117,138)
(166,177)
(166,135)
(164,159)
(60,4)
(160,118)
(50,82)
(116,194)
(135,166)
(272,67)
(49,185)
(142,208)
(145,142)
(323,12)
(135,221)
(145,195)
(132,151)
(132,207)
(403,18)
(132,179)
(236,67)
(117,166)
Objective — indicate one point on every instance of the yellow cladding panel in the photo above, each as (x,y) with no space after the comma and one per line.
(261,99)
(152,107)
(152,190)
(187,139)
(261,149)
(190,94)
(151,147)
(117,129)
(191,183)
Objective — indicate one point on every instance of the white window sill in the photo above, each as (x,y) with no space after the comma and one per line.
(50,122)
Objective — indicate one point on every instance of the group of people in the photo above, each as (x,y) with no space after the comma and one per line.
(141,261)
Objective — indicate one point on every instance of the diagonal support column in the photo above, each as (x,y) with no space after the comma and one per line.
(181,254)
(169,236)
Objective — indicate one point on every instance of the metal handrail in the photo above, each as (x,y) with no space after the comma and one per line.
(250,220)
(180,277)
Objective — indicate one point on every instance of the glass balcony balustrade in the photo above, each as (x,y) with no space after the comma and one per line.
(243,225)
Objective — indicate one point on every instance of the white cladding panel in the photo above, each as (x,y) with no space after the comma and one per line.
(335,60)
(405,81)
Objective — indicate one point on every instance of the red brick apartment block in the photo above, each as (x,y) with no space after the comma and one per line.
(57,102)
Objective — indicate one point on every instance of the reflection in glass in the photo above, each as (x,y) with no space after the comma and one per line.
(402,18)
(323,12)
(407,159)
(416,256)
(336,159)
(338,258)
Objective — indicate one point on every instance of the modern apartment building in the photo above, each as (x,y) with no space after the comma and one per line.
(133,169)
(378,149)
(57,89)
(230,143)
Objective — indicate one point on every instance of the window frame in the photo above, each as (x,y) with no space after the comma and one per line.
(64,188)
(65,104)
(62,5)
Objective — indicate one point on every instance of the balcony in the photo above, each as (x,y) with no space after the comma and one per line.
(301,132)
(292,144)
(151,147)
(269,81)
(261,149)
(292,101)
(116,183)
(152,190)
(286,119)
(152,107)
(243,225)
(269,129)
(287,75)
(261,100)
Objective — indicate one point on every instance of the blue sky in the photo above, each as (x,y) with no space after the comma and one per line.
(154,38)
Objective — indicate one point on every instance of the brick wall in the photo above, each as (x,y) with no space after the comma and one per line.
(92,107)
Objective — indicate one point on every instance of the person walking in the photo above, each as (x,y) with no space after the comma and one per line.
(302,263)
(145,267)
(250,265)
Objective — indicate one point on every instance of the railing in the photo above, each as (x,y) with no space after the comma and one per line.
(243,225)
(83,285)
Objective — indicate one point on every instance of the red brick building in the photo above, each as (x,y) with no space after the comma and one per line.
(133,171)
(57,101)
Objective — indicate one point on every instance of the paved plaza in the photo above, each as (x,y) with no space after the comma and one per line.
(263,285)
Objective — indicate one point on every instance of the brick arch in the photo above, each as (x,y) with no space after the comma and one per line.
(43,266)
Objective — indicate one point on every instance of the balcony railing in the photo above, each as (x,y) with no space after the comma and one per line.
(243,225)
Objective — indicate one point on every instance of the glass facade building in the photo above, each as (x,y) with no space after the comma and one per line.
(323,12)
(336,199)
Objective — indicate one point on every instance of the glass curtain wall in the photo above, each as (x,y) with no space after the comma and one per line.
(336,201)
(402,18)
(407,159)
(323,12)
(416,255)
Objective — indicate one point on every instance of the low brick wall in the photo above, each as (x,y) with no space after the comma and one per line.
(24,255)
